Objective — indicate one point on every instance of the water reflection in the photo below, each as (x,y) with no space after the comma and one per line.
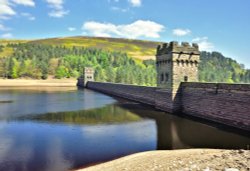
(105,115)
(175,132)
(61,130)
(42,146)
(42,100)
(95,130)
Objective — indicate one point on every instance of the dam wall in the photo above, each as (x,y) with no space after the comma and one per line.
(141,94)
(224,103)
(227,104)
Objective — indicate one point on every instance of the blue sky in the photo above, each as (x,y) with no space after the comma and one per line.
(216,25)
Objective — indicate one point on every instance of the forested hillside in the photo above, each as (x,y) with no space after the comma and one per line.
(214,67)
(39,60)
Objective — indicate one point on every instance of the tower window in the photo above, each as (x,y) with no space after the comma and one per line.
(162,77)
(167,77)
(186,78)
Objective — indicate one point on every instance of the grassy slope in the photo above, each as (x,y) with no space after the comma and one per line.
(136,48)
(8,51)
(6,41)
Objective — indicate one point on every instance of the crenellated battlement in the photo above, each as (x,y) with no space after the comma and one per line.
(175,47)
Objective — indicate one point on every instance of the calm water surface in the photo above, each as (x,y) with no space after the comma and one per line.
(51,129)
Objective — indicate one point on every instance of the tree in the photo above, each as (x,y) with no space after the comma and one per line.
(13,68)
(111,74)
(61,72)
(100,74)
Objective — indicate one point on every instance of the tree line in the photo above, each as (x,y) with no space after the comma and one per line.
(214,67)
(38,61)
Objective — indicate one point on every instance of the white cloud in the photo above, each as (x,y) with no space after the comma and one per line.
(4,28)
(120,9)
(204,44)
(5,9)
(135,3)
(7,35)
(58,13)
(109,1)
(71,28)
(58,10)
(139,28)
(32,18)
(25,2)
(181,32)
(55,3)
(28,16)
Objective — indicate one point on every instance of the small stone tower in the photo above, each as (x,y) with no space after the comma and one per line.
(88,75)
(176,63)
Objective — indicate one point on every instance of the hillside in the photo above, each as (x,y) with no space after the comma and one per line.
(7,41)
(111,58)
(6,51)
(136,48)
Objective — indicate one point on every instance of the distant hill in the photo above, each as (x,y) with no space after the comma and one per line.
(7,41)
(65,57)
(139,49)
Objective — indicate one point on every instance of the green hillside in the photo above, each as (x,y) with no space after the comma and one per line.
(136,48)
(8,41)
(6,51)
(115,60)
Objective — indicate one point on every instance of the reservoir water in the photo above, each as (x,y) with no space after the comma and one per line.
(50,129)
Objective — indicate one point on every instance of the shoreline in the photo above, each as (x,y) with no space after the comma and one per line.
(187,159)
(37,83)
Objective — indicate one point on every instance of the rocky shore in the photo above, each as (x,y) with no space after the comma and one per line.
(181,160)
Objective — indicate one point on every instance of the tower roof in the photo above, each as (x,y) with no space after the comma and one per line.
(175,47)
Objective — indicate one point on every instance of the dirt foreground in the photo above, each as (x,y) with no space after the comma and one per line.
(181,160)
(40,83)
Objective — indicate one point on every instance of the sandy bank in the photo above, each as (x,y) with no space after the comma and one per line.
(191,159)
(42,83)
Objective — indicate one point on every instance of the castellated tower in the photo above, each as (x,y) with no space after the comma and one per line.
(176,63)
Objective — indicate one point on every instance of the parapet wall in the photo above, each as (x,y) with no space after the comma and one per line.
(224,103)
(228,104)
(141,94)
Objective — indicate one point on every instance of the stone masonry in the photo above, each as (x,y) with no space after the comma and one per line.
(178,89)
(175,63)
(88,76)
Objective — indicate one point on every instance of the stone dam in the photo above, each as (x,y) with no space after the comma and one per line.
(178,89)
